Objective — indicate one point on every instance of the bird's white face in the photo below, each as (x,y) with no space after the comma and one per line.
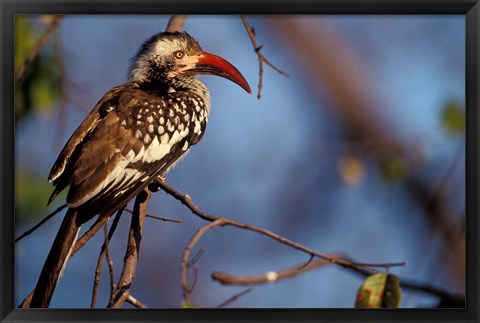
(172,55)
(176,52)
(166,47)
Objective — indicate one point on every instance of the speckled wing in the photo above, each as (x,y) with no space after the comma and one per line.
(139,138)
(59,174)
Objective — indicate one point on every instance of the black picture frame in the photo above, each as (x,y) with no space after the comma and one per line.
(10,8)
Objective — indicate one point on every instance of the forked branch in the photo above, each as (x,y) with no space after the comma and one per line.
(261,58)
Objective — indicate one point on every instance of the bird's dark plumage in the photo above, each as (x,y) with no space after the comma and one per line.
(134,134)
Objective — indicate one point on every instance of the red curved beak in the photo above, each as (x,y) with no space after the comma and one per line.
(208,63)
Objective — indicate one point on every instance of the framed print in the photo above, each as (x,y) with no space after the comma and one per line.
(198,162)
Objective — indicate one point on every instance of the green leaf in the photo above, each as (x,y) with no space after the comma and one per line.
(379,291)
(453,118)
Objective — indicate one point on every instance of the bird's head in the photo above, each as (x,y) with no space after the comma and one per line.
(167,56)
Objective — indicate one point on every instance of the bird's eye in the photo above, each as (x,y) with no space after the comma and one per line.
(179,54)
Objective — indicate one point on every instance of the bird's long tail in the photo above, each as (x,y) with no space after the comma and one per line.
(56,260)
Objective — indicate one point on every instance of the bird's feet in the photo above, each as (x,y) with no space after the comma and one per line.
(154,187)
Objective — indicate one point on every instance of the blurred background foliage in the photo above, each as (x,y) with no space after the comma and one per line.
(40,88)
(37,92)
(300,161)
(453,117)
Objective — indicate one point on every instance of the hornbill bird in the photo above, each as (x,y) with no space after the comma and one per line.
(133,135)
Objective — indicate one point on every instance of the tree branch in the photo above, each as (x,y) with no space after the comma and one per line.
(270,276)
(120,294)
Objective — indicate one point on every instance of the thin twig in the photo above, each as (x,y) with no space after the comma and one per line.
(39,224)
(234,298)
(111,271)
(20,73)
(261,57)
(98,270)
(194,279)
(161,218)
(196,257)
(307,262)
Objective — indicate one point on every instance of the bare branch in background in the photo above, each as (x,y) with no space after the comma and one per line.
(261,58)
(22,69)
